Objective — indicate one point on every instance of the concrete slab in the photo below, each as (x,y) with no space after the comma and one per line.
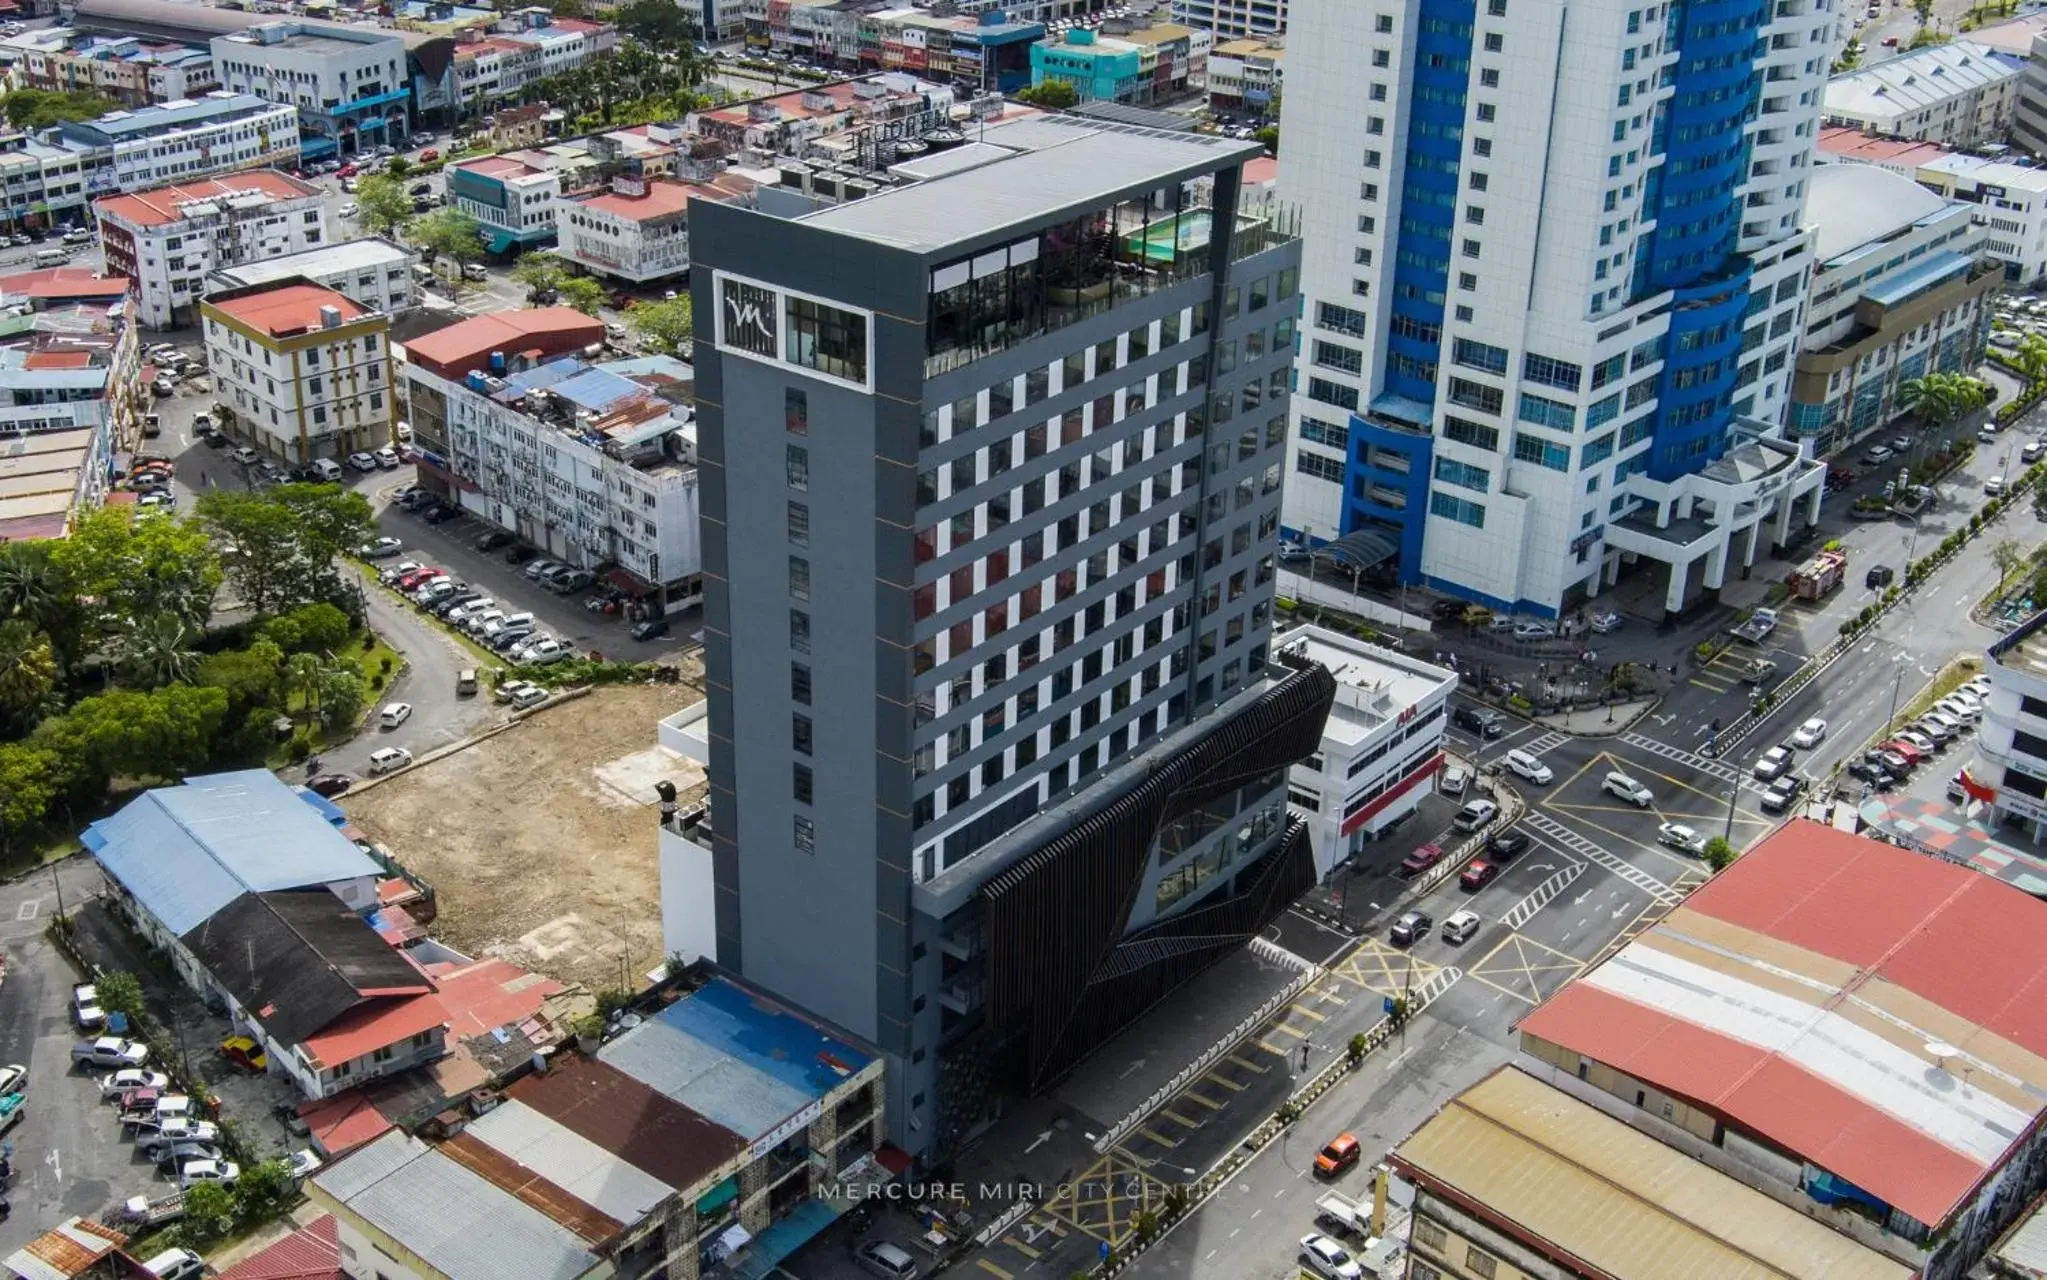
(630,779)
(1132,1067)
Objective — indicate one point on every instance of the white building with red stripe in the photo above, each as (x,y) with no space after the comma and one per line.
(1381,746)
(2009,769)
(1857,1030)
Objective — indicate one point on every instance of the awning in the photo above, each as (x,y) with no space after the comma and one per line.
(1360,549)
(719,1196)
(892,1158)
(501,241)
(626,582)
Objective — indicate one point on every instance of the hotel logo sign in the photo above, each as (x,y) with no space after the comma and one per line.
(749,315)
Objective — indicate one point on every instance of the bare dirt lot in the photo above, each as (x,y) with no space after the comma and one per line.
(541,841)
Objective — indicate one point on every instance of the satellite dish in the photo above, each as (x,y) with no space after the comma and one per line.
(1940,1051)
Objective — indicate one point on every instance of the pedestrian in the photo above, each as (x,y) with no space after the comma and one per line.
(202,479)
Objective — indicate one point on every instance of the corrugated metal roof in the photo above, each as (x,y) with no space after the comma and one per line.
(573,1163)
(677,1065)
(1065,164)
(2023,1250)
(185,852)
(1915,81)
(649,1131)
(66,1250)
(1576,1182)
(1802,994)
(453,1219)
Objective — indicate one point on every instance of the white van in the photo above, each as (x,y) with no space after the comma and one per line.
(326,468)
(52,257)
(176,1264)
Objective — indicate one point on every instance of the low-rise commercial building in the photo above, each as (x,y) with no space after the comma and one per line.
(304,371)
(1514,1177)
(1960,94)
(348,83)
(1381,746)
(181,141)
(1843,144)
(132,70)
(593,464)
(724,1131)
(1842,1024)
(373,272)
(638,230)
(1245,75)
(167,239)
(1233,19)
(44,185)
(2013,206)
(1900,289)
(876,108)
(1119,62)
(984,52)
(511,200)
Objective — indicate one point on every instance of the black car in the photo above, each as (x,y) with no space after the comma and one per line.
(420,189)
(1410,928)
(1879,575)
(440,514)
(520,555)
(1480,720)
(1505,846)
(650,629)
(493,540)
(1873,772)
(330,784)
(1447,610)
(454,600)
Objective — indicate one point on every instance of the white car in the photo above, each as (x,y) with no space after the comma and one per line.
(547,651)
(394,714)
(387,457)
(1606,623)
(1994,486)
(1978,687)
(1772,764)
(1681,837)
(363,462)
(348,210)
(246,456)
(1628,789)
(1809,734)
(1475,815)
(224,1172)
(382,548)
(85,1007)
(13,1078)
(511,689)
(1534,631)
(1454,781)
(530,696)
(468,609)
(1461,925)
(1531,767)
(1327,1259)
(120,1082)
(385,759)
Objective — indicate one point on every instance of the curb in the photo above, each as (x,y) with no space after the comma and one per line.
(1615,730)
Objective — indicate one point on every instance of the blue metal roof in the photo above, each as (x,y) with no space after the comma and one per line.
(153,119)
(739,1060)
(597,390)
(185,852)
(1920,277)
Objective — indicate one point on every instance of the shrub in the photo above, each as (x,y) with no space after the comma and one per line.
(1831,544)
(1719,853)
(385,665)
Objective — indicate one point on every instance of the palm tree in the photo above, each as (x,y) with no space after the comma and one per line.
(2029,357)
(28,668)
(302,676)
(1941,398)
(158,651)
(28,583)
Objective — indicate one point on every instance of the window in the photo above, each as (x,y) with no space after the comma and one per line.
(1475,395)
(1471,248)
(1429,1235)
(799,683)
(1331,393)
(1544,412)
(1463,474)
(1474,215)
(1473,354)
(1341,319)
(1381,57)
(799,577)
(1541,452)
(1467,281)
(800,733)
(802,783)
(1319,467)
(796,467)
(822,337)
(799,631)
(1598,451)
(799,525)
(1551,372)
(1383,24)
(1476,434)
(1487,113)
(1462,510)
(796,410)
(1326,434)
(1345,359)
(1494,42)
(1479,1262)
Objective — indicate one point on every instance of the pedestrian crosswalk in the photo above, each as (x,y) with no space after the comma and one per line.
(1547,742)
(1712,768)
(1564,840)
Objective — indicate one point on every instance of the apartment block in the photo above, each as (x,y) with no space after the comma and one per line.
(180,141)
(372,272)
(168,239)
(1246,74)
(304,372)
(1959,94)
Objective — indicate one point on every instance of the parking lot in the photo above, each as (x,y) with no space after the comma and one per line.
(541,840)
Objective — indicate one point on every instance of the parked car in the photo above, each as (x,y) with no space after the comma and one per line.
(120,1082)
(244,1052)
(381,549)
(535,568)
(363,462)
(175,1129)
(246,456)
(1453,781)
(1410,928)
(1475,814)
(509,637)
(531,696)
(330,785)
(1534,631)
(651,629)
(547,652)
(1483,721)
(386,458)
(1606,622)
(85,1007)
(1504,846)
(394,714)
(110,1051)
(1421,859)
(493,540)
(385,759)
(512,689)
(1876,455)
(193,1172)
(179,1151)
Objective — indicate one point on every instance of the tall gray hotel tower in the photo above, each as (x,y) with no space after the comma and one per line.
(991,477)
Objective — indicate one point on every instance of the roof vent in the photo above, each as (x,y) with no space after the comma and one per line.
(330,317)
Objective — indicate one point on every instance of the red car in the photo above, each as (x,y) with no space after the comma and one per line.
(1477,876)
(1421,859)
(429,155)
(348,171)
(1839,477)
(1912,754)
(417,576)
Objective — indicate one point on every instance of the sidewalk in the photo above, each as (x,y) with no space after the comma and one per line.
(1594,722)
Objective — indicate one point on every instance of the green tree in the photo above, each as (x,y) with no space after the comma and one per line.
(289,536)
(2009,557)
(1719,853)
(447,233)
(130,567)
(570,8)
(120,992)
(33,109)
(1053,95)
(311,628)
(1923,9)
(398,166)
(302,676)
(263,1192)
(1941,398)
(2029,357)
(658,25)
(342,695)
(31,779)
(209,1213)
(28,668)
(165,733)
(1268,137)
(542,274)
(582,293)
(1851,57)
(666,326)
(381,205)
(250,677)
(157,650)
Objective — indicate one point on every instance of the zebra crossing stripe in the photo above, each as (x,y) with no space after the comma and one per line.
(1557,834)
